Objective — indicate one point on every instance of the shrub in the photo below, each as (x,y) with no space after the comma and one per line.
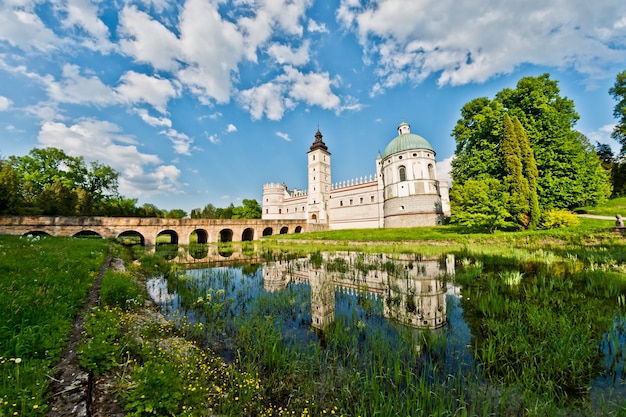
(555,218)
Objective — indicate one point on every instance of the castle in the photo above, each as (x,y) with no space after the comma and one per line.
(404,192)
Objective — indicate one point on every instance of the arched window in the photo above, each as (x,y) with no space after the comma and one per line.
(431,171)
(402,172)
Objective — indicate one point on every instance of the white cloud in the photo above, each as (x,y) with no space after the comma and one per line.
(103,141)
(284,54)
(313,26)
(21,27)
(231,128)
(468,42)
(273,98)
(147,40)
(136,88)
(603,135)
(181,141)
(151,120)
(84,15)
(266,99)
(213,138)
(284,136)
(443,170)
(5,103)
(312,88)
(77,89)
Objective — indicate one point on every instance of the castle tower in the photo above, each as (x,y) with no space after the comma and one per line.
(319,181)
(411,190)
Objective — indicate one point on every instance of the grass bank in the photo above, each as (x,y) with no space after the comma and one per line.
(43,283)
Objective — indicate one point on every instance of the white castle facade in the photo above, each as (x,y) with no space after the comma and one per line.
(404,192)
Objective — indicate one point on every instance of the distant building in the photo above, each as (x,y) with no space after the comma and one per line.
(404,192)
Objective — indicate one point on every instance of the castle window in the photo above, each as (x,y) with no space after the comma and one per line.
(431,171)
(415,154)
(280,211)
(402,172)
(350,201)
(267,211)
(314,157)
(372,199)
(341,203)
(361,200)
(400,157)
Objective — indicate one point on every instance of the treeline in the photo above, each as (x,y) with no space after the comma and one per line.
(47,181)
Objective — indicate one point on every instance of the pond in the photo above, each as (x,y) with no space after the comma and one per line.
(378,334)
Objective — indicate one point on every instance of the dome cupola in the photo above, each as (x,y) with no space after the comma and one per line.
(405,141)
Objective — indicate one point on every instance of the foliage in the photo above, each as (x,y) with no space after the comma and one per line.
(553,218)
(618,91)
(250,209)
(9,197)
(569,172)
(52,182)
(481,205)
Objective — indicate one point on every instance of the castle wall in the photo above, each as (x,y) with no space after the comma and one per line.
(355,206)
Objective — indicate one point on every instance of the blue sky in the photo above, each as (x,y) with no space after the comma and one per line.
(204,101)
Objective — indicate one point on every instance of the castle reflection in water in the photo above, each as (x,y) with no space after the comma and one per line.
(413,290)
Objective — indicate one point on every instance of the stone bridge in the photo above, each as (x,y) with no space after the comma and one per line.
(148,229)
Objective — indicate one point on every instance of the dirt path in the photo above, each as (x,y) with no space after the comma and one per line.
(74,392)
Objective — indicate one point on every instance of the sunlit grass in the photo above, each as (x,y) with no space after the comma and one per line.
(43,282)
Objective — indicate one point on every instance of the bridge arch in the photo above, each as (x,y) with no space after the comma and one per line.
(248,234)
(284,230)
(131,237)
(226,235)
(37,233)
(172,235)
(87,233)
(202,236)
(268,231)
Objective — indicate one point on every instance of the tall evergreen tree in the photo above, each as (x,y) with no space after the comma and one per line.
(514,180)
(530,173)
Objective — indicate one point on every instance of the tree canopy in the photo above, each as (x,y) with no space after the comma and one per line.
(569,173)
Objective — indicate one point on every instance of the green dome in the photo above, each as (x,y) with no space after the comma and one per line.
(405,142)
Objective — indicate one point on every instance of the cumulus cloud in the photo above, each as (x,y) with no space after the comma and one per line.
(103,141)
(151,120)
(5,103)
(231,128)
(468,42)
(314,26)
(181,141)
(273,98)
(443,170)
(78,89)
(23,28)
(83,14)
(137,88)
(284,54)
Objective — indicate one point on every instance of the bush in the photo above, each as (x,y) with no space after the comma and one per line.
(555,218)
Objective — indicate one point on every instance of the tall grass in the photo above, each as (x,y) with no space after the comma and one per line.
(43,282)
